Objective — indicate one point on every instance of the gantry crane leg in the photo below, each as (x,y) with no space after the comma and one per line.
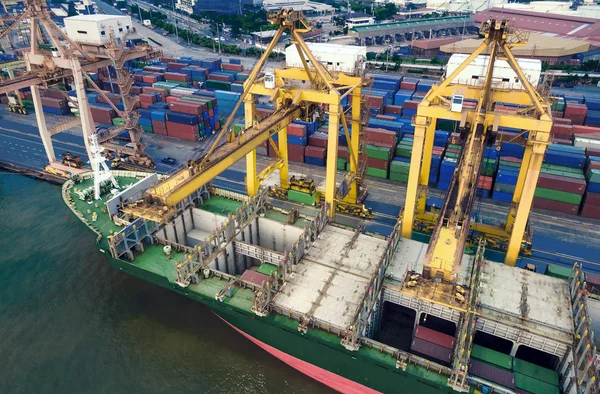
(412,188)
(426,165)
(516,199)
(354,144)
(525,203)
(41,123)
(283,155)
(251,174)
(332,147)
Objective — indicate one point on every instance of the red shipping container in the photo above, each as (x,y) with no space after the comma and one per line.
(163,92)
(148,98)
(554,182)
(173,76)
(296,153)
(54,102)
(562,131)
(112,97)
(590,211)
(431,350)
(318,140)
(576,119)
(592,151)
(102,114)
(378,163)
(484,182)
(232,67)
(374,102)
(315,151)
(172,99)
(408,85)
(411,104)
(555,206)
(385,117)
(393,109)
(53,93)
(136,90)
(455,139)
(149,79)
(298,130)
(592,199)
(217,77)
(579,129)
(176,66)
(343,152)
(188,107)
(562,121)
(160,126)
(375,135)
(145,105)
(429,335)
(166,59)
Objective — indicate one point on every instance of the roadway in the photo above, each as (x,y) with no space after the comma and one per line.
(556,237)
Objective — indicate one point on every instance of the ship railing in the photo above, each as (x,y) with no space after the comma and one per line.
(585,356)
(372,295)
(209,249)
(228,194)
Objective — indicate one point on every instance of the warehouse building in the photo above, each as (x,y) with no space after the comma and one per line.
(403,31)
(550,49)
(555,24)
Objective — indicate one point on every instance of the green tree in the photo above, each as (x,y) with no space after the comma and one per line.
(385,12)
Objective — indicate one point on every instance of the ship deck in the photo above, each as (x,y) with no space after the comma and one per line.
(332,278)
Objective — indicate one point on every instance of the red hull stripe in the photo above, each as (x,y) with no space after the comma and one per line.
(330,379)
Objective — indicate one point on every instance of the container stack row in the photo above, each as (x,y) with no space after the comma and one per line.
(433,345)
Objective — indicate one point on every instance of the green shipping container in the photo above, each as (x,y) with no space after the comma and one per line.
(452,155)
(558,195)
(222,85)
(446,125)
(594,176)
(198,99)
(378,152)
(238,127)
(148,129)
(266,268)
(509,163)
(341,163)
(534,386)
(558,272)
(404,151)
(504,188)
(562,171)
(492,357)
(535,371)
(304,198)
(396,176)
(377,172)
(399,167)
(118,121)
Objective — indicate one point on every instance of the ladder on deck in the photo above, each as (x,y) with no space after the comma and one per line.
(462,353)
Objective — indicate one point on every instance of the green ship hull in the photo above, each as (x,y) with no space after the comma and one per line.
(368,367)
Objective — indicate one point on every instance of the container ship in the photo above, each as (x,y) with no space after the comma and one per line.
(362,313)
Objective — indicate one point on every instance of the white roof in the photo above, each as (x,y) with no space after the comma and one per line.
(335,48)
(95,17)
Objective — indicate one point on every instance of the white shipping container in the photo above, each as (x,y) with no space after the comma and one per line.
(97,29)
(345,58)
(582,142)
(503,78)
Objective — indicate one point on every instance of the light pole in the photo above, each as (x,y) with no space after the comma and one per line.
(387,60)
(176,30)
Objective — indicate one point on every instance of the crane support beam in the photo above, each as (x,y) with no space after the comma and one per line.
(453,223)
(175,189)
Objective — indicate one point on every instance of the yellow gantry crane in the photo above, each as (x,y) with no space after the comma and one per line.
(298,93)
(453,222)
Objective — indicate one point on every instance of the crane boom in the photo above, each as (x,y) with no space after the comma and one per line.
(177,187)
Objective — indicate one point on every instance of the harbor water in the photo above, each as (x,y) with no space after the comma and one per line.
(71,323)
